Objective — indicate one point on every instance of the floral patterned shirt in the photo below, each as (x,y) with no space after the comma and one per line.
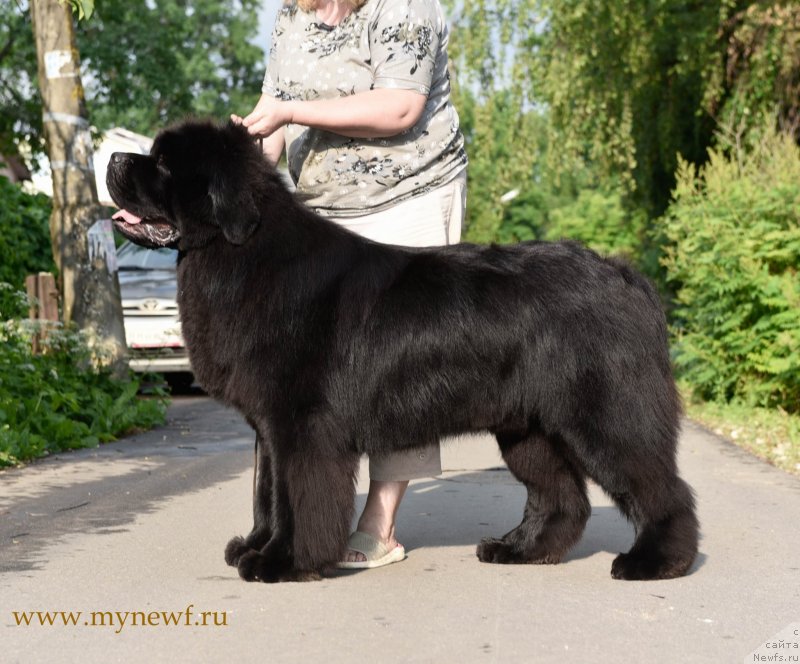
(384,44)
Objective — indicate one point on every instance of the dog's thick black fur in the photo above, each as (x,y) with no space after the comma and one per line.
(333,346)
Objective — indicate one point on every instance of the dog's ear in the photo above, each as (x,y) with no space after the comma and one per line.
(233,207)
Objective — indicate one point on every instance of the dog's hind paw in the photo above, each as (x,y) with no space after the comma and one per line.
(493,550)
(235,549)
(638,567)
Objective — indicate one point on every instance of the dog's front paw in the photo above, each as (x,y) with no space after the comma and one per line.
(235,549)
(252,566)
(255,566)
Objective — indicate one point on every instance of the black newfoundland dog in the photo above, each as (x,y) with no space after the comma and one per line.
(333,346)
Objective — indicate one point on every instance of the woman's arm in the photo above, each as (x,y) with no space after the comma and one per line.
(373,114)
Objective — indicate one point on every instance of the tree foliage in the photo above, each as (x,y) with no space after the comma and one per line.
(624,84)
(754,83)
(144,64)
(492,92)
(154,63)
(631,85)
(20,103)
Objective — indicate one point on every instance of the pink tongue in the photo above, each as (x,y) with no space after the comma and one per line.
(127,217)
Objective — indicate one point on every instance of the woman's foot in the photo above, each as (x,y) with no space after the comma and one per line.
(378,517)
(371,552)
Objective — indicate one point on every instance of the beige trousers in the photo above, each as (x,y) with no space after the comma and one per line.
(430,220)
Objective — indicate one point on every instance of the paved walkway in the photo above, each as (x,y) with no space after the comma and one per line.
(140,526)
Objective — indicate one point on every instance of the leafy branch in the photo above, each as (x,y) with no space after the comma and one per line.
(83,8)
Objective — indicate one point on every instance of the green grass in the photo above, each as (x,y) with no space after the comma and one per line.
(771,434)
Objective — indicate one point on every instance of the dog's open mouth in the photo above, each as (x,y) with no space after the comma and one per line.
(152,232)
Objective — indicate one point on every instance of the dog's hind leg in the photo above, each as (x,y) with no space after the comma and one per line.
(557,508)
(312,513)
(663,513)
(642,479)
(262,507)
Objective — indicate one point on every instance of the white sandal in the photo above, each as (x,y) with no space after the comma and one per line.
(377,553)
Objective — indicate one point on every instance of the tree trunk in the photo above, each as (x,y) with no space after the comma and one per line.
(82,239)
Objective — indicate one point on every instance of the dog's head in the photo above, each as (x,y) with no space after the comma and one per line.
(196,184)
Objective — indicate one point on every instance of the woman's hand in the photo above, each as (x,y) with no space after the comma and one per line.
(269,115)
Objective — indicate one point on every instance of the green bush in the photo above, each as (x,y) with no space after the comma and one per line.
(598,219)
(597,216)
(59,399)
(24,234)
(733,258)
(525,217)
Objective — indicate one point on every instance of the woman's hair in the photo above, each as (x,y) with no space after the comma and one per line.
(310,5)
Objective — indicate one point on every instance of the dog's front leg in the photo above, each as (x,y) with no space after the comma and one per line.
(311,516)
(262,506)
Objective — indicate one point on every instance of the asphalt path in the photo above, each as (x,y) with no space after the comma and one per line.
(130,536)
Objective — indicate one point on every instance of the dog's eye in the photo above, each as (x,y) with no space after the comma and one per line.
(161,163)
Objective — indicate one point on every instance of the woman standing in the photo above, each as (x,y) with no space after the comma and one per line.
(358,93)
